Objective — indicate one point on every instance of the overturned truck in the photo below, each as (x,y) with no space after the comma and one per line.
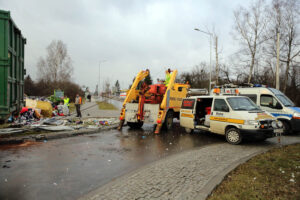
(154,104)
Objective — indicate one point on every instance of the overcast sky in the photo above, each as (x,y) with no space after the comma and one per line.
(130,35)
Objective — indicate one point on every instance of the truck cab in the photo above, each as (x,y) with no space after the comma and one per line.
(236,117)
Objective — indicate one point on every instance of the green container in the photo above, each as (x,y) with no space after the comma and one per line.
(11,66)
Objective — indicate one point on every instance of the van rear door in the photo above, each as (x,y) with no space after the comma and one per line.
(187,112)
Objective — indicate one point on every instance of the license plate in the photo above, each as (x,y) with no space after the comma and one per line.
(278,130)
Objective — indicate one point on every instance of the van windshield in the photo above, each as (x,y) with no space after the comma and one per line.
(285,100)
(282,98)
(242,103)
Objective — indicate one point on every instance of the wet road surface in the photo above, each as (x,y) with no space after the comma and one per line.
(70,167)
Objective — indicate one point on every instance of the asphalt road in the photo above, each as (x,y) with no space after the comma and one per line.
(71,167)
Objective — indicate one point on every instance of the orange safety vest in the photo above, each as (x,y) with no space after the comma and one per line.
(79,100)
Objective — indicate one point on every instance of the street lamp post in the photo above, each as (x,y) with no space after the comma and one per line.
(101,61)
(210,36)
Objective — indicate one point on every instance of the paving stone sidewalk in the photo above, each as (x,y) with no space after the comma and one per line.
(189,175)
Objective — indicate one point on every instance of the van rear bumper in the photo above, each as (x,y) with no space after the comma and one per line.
(295,125)
(257,133)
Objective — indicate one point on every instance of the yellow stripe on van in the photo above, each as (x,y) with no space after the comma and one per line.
(229,120)
(186,110)
(187,115)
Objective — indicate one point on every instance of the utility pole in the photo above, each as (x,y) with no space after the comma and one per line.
(277,63)
(210,40)
(98,81)
(101,61)
(217,61)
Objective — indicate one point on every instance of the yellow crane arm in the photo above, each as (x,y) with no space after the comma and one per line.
(163,104)
(132,92)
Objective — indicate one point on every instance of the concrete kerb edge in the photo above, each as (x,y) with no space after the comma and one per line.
(55,135)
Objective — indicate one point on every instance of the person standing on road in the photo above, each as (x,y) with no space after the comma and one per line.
(89,97)
(77,105)
(67,101)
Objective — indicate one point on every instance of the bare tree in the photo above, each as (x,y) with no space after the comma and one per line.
(198,77)
(249,26)
(274,27)
(291,36)
(283,18)
(57,66)
(217,60)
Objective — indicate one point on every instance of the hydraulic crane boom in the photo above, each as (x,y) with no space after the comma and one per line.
(132,94)
(156,104)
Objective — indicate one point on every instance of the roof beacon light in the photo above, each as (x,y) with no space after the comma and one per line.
(237,92)
(217,91)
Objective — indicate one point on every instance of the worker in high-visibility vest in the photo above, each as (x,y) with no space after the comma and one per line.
(77,105)
(67,101)
(168,77)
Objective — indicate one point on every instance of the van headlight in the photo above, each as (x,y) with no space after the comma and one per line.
(277,124)
(296,115)
(251,122)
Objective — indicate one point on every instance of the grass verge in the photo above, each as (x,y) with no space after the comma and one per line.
(105,106)
(272,175)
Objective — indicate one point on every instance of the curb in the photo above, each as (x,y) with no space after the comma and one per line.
(54,135)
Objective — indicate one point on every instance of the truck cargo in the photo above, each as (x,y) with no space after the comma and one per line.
(155,104)
(11,66)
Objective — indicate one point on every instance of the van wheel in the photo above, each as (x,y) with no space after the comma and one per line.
(233,136)
(168,121)
(135,125)
(286,128)
(189,130)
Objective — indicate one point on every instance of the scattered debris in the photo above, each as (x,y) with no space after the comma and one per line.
(292,180)
(53,121)
(11,130)
(41,114)
(56,128)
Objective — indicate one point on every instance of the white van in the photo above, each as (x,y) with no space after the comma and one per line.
(274,102)
(236,117)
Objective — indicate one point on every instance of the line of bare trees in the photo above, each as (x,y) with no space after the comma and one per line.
(54,72)
(255,30)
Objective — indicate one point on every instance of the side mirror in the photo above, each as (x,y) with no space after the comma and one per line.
(225,108)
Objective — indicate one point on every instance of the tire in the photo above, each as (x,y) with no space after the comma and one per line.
(233,136)
(286,128)
(168,121)
(135,125)
(189,130)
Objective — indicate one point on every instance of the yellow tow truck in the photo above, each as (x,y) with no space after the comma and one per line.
(155,104)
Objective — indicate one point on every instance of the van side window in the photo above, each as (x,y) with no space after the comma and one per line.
(269,101)
(188,103)
(253,97)
(221,105)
